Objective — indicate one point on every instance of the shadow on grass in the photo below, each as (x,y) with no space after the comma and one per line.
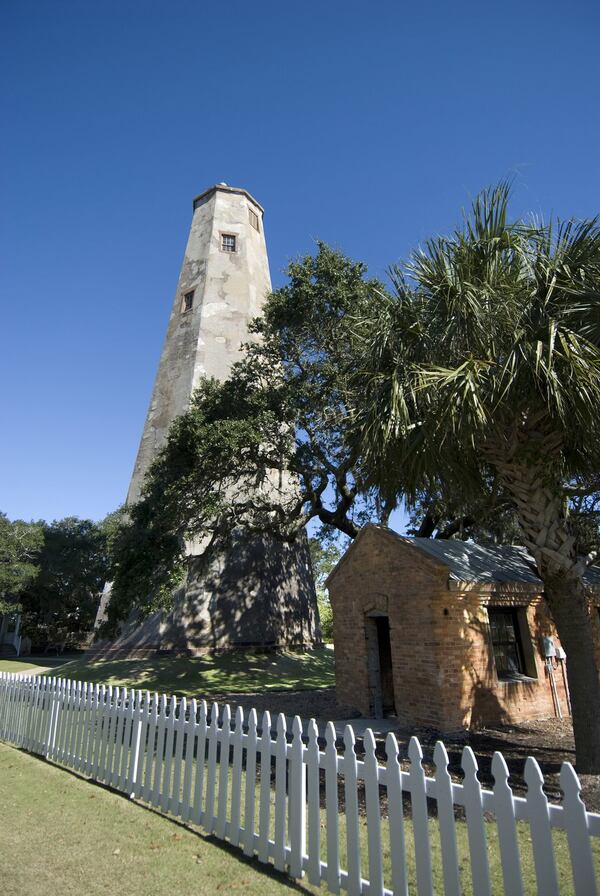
(240,672)
(235,852)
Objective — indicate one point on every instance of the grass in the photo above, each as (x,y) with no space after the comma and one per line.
(232,672)
(60,834)
(34,666)
(561,851)
(70,836)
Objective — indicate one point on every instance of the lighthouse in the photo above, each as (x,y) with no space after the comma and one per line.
(249,591)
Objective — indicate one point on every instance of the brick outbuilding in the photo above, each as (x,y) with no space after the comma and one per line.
(445,634)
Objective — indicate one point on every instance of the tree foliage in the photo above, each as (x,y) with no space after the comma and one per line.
(74,561)
(264,450)
(325,553)
(485,367)
(19,545)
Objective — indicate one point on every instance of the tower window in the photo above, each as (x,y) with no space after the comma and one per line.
(228,242)
(253,219)
(188,301)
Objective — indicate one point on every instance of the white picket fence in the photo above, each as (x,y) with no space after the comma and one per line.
(278,798)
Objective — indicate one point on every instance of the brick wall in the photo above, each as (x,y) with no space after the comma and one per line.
(443,667)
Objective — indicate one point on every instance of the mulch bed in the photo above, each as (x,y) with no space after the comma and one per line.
(550,741)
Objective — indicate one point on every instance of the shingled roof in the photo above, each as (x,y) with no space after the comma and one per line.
(469,562)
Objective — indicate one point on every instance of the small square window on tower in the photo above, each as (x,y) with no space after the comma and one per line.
(188,301)
(228,242)
(253,219)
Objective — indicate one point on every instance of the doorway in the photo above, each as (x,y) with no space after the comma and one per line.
(379,661)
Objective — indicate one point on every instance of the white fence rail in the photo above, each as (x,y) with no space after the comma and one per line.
(352,823)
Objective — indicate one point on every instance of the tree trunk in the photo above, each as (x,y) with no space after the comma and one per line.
(569,608)
(539,501)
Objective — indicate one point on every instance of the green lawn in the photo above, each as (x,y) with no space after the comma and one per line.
(70,837)
(33,666)
(233,672)
(61,835)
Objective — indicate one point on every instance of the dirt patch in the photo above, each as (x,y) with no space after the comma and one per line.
(319,704)
(550,741)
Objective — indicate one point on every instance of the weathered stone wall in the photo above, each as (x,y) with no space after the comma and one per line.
(250,591)
(229,291)
(443,667)
(254,592)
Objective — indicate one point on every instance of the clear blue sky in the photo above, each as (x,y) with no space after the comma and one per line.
(368,125)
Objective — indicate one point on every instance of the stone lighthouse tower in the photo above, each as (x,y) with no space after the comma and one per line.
(252,591)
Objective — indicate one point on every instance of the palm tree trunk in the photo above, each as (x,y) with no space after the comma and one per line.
(540,507)
(569,609)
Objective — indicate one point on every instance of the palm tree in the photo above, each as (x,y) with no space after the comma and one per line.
(487,363)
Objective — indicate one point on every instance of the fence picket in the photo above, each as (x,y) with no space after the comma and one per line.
(132,770)
(168,760)
(85,709)
(159,752)
(105,720)
(75,739)
(475,825)
(51,705)
(55,716)
(507,828)
(114,720)
(16,711)
(71,730)
(100,742)
(396,818)
(250,792)
(31,704)
(82,726)
(314,804)
(38,714)
(582,864)
(150,749)
(236,778)
(297,801)
(94,732)
(175,798)
(352,816)
(25,702)
(189,730)
(225,736)
(420,818)
(73,723)
(28,695)
(25,697)
(198,812)
(264,811)
(63,719)
(541,836)
(119,738)
(38,717)
(331,810)
(125,747)
(210,819)
(445,805)
(279,835)
(373,810)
